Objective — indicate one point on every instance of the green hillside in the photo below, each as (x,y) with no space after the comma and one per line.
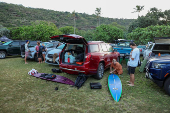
(12,15)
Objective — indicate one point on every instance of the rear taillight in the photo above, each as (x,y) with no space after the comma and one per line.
(88,57)
(150,54)
(140,50)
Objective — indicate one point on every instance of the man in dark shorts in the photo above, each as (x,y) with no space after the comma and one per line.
(133,62)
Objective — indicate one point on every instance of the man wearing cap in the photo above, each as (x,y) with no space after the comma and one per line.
(133,62)
(26,51)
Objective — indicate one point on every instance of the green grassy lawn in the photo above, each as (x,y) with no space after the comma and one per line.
(22,93)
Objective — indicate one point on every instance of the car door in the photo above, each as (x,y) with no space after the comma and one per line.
(106,54)
(111,54)
(95,53)
(14,48)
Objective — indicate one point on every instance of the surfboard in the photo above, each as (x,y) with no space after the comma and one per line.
(115,86)
(58,78)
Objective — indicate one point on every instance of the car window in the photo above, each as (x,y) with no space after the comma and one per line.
(49,45)
(15,43)
(7,43)
(61,46)
(124,44)
(104,47)
(33,43)
(93,48)
(109,48)
(23,42)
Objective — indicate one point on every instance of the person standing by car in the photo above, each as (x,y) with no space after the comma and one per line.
(26,51)
(117,67)
(133,62)
(44,51)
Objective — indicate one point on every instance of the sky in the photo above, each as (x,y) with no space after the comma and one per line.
(109,8)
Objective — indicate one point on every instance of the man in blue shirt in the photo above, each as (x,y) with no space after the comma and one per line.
(133,62)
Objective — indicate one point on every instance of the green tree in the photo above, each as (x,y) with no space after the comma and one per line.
(167,17)
(138,9)
(4,31)
(143,35)
(98,14)
(67,30)
(39,30)
(108,33)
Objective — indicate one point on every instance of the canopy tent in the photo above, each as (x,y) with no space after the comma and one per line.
(4,39)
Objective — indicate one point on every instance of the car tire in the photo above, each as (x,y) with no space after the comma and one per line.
(167,86)
(2,54)
(100,71)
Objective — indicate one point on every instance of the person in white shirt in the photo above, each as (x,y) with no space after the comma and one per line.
(26,51)
(133,62)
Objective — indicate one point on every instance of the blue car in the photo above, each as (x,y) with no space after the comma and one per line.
(158,70)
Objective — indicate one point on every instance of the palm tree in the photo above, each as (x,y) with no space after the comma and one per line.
(138,9)
(98,14)
(74,16)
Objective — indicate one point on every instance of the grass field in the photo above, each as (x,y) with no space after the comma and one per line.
(22,93)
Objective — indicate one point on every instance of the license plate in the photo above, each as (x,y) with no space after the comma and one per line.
(50,60)
(122,55)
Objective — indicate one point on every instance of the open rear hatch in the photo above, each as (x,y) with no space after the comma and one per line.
(163,40)
(162,46)
(74,52)
(71,38)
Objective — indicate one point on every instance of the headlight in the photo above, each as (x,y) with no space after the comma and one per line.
(157,65)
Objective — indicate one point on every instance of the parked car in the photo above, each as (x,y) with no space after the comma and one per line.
(49,55)
(141,48)
(148,50)
(158,66)
(123,47)
(32,54)
(30,45)
(90,58)
(11,48)
(158,70)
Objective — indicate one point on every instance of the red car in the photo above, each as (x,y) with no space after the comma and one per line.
(80,56)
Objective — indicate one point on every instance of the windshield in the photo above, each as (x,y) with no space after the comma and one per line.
(61,46)
(124,44)
(7,43)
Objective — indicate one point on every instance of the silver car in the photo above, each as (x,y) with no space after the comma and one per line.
(49,55)
(49,45)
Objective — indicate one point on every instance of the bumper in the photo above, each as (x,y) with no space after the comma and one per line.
(76,69)
(158,82)
(50,61)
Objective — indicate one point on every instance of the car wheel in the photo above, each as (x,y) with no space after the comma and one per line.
(100,71)
(2,54)
(167,86)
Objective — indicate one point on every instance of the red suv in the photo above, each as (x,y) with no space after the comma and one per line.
(90,58)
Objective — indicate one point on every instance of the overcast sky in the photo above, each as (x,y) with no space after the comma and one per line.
(109,8)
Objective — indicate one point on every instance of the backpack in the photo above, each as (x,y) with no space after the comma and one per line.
(50,76)
(23,48)
(40,49)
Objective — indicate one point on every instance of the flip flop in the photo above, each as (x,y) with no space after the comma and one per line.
(130,85)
